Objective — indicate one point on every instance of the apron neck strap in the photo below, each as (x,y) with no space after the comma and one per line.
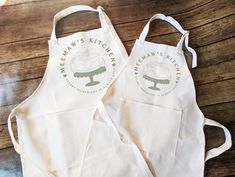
(184,39)
(73,9)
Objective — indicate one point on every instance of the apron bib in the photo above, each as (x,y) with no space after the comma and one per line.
(155,107)
(60,133)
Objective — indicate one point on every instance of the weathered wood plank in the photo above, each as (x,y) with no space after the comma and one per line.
(223,113)
(211,50)
(222,166)
(122,14)
(109,3)
(215,136)
(214,73)
(4,113)
(221,29)
(188,20)
(214,93)
(38,47)
(203,35)
(113,3)
(35,68)
(5,140)
(15,2)
(23,50)
(10,165)
(131,31)
(216,53)
(211,32)
(22,70)
(14,93)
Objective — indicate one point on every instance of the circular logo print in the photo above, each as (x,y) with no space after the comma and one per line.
(89,66)
(157,75)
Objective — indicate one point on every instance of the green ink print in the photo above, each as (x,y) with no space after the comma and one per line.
(156,81)
(91,75)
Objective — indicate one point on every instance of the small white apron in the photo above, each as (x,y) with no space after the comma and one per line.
(154,106)
(60,133)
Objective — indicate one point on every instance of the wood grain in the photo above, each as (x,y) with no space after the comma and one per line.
(25,27)
(28,69)
(222,166)
(4,112)
(5,140)
(214,93)
(222,112)
(14,93)
(130,31)
(35,67)
(10,165)
(120,14)
(15,2)
(214,73)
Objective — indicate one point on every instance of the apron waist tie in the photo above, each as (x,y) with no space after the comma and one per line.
(18,148)
(224,147)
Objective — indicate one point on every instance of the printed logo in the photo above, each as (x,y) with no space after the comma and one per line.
(157,74)
(88,65)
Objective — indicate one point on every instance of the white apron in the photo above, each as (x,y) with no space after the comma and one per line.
(154,105)
(60,134)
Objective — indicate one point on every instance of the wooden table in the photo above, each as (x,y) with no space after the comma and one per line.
(25,27)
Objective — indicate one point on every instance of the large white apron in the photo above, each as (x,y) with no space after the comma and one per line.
(155,107)
(60,133)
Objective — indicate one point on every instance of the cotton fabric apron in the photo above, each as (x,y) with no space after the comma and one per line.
(63,130)
(155,107)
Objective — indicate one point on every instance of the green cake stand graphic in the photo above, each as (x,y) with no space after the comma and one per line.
(157,74)
(155,82)
(91,75)
(88,67)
